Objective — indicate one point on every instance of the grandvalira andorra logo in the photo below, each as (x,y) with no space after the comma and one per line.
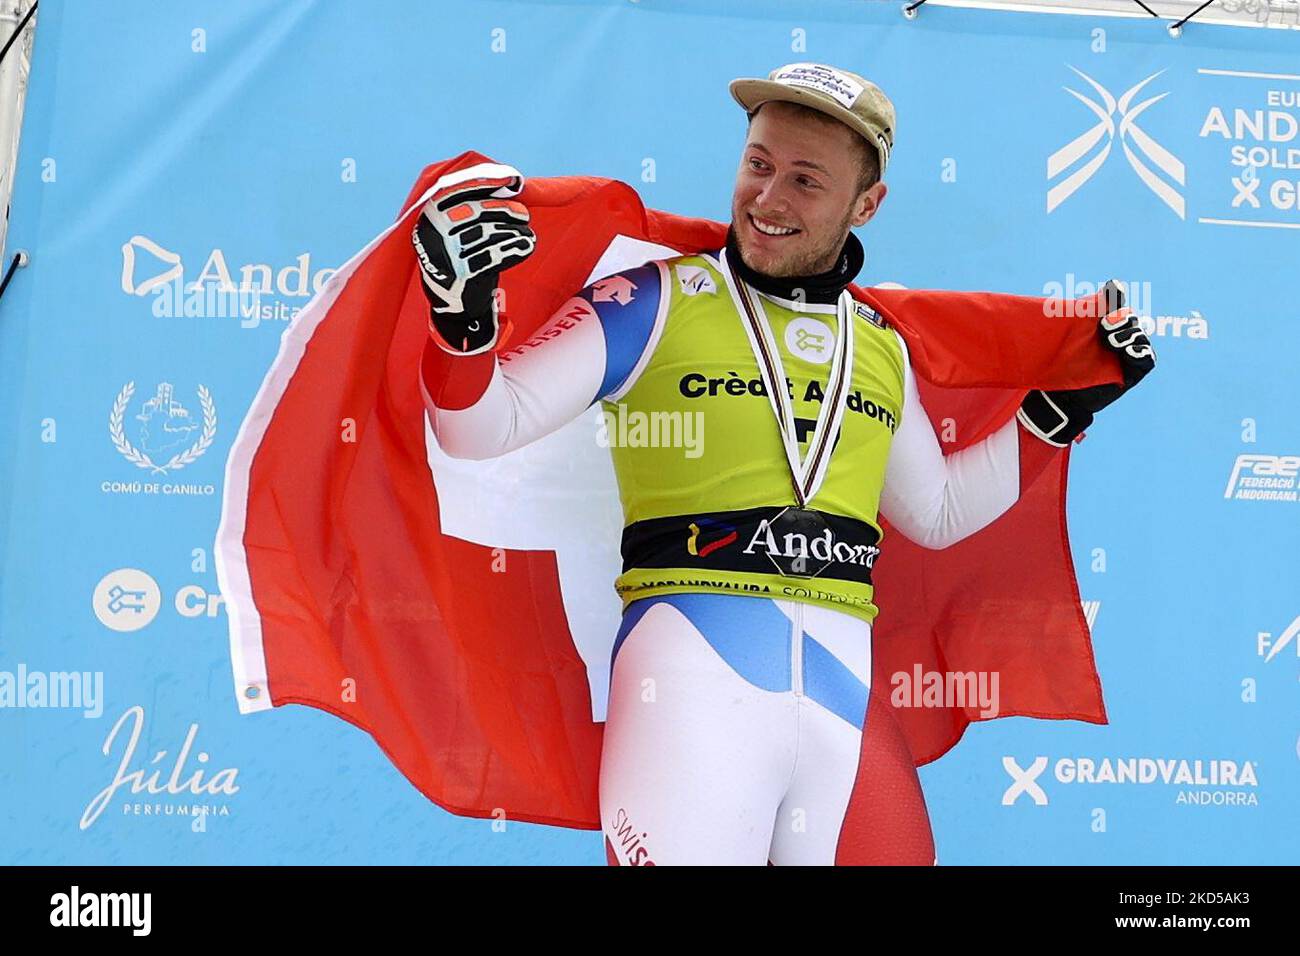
(1131,138)
(167,435)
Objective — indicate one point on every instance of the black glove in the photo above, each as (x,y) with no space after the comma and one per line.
(466,234)
(1060,417)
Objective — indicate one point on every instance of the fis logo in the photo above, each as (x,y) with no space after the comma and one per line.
(696,280)
(1116,121)
(1264,477)
(1268,648)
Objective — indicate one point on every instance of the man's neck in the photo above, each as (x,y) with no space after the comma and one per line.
(824,288)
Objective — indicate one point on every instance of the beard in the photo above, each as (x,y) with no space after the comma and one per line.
(804,260)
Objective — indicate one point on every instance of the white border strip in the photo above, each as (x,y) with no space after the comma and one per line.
(247,655)
(15,72)
(1067,9)
(1261,224)
(1250,75)
(1125,9)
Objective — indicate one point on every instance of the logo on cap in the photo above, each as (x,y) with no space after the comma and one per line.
(843,89)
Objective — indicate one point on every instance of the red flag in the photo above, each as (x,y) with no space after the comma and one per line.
(346,591)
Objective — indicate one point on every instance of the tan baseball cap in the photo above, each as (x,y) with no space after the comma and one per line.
(856,102)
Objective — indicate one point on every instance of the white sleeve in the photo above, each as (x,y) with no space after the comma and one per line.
(534,390)
(595,346)
(936,500)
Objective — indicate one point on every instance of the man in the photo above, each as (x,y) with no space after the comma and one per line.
(742,725)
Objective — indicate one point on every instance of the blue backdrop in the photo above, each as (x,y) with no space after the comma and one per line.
(268,142)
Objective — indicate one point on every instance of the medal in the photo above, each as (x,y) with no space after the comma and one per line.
(796,531)
(798,525)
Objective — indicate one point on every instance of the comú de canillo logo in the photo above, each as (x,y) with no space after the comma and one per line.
(1135,142)
(168,437)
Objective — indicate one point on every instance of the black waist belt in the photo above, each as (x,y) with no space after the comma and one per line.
(757,540)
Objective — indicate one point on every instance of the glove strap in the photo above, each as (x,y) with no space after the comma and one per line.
(1047,420)
(463,335)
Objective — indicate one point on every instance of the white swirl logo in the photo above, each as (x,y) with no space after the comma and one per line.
(173,271)
(1024,780)
(1127,131)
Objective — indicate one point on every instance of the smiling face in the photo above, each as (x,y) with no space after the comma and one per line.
(800,176)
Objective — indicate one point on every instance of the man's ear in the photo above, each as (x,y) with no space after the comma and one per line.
(869,203)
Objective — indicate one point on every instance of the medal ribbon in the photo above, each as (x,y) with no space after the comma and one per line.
(806,475)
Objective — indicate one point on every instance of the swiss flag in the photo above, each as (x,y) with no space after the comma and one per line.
(462,612)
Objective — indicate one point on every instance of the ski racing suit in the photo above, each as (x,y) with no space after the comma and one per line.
(742,725)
